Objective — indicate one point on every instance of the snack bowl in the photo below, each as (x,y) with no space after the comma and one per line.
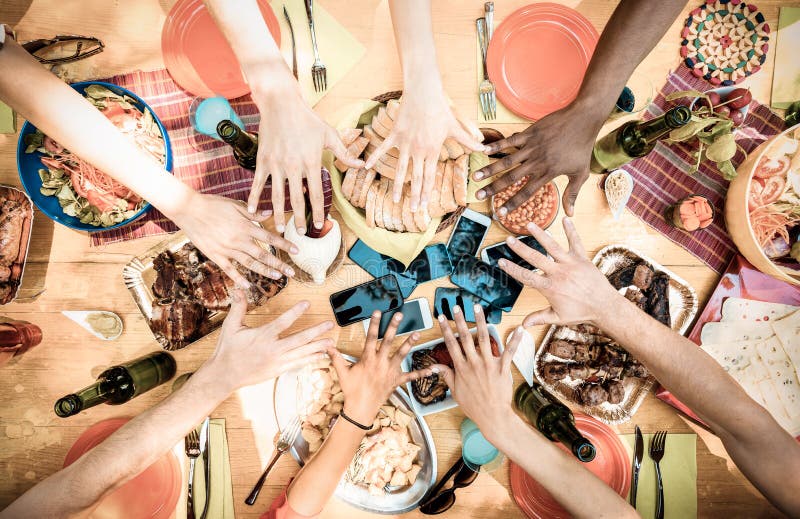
(29,164)
(723,93)
(509,222)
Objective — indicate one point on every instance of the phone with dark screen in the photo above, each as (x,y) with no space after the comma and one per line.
(445,299)
(468,234)
(487,282)
(494,253)
(416,317)
(432,263)
(379,265)
(357,303)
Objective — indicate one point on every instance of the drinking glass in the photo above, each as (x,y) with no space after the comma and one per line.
(479,455)
(205,115)
(635,97)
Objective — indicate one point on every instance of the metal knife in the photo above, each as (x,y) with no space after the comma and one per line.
(204,439)
(294,47)
(638,452)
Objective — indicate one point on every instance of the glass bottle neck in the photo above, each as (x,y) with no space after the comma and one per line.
(87,397)
(237,137)
(566,433)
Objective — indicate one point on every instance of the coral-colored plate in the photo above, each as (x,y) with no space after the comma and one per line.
(153,494)
(611,464)
(198,56)
(538,56)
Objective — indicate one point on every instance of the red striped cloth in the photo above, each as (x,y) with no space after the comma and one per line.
(661,177)
(201,162)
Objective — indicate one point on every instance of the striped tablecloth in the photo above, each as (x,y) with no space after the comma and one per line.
(204,164)
(661,177)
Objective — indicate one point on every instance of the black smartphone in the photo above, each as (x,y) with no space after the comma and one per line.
(432,263)
(487,282)
(448,298)
(379,265)
(468,234)
(416,317)
(494,253)
(357,303)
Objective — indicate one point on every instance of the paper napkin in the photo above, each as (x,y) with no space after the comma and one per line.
(786,78)
(220,504)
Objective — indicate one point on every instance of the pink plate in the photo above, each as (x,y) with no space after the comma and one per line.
(153,494)
(198,56)
(538,56)
(610,465)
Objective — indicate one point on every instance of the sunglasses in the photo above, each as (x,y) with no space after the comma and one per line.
(63,49)
(439,500)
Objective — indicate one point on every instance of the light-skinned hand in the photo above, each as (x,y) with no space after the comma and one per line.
(368,383)
(576,290)
(246,356)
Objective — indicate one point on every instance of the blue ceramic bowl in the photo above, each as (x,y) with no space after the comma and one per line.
(29,164)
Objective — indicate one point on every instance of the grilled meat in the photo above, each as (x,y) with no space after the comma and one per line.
(210,286)
(642,276)
(634,368)
(176,322)
(579,371)
(585,352)
(166,284)
(586,328)
(12,216)
(638,274)
(616,391)
(431,389)
(592,394)
(555,371)
(658,300)
(563,349)
(637,297)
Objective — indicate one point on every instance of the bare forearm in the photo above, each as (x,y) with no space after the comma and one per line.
(316,483)
(64,115)
(630,34)
(124,454)
(573,486)
(413,33)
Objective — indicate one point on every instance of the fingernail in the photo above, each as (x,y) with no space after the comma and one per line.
(289,271)
(413,206)
(251,209)
(301,230)
(318,225)
(414,336)
(376,313)
(502,263)
(441,318)
(478,175)
(280,228)
(398,317)
(511,240)
(477,309)
(435,369)
(294,250)
(266,212)
(481,194)
(502,211)
(457,309)
(304,305)
(328,325)
(519,330)
(274,274)
(396,198)
(568,220)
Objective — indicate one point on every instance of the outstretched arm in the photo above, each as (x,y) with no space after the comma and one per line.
(293,136)
(240,359)
(579,293)
(220,227)
(562,142)
(481,384)
(425,118)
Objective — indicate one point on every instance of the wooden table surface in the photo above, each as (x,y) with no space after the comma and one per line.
(33,441)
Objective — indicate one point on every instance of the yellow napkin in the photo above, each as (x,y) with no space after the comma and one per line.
(8,119)
(403,246)
(220,504)
(786,78)
(504,115)
(678,473)
(338,49)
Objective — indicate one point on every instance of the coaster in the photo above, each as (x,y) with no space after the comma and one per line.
(725,41)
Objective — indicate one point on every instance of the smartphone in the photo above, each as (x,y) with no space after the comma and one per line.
(494,253)
(357,303)
(432,263)
(416,317)
(445,299)
(468,234)
(487,282)
(379,265)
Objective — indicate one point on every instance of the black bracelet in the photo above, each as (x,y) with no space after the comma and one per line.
(362,427)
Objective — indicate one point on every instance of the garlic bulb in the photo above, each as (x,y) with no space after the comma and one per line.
(316,254)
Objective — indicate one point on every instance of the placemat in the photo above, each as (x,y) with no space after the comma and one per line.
(661,177)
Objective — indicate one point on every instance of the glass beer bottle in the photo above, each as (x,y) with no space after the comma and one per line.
(118,384)
(553,419)
(244,144)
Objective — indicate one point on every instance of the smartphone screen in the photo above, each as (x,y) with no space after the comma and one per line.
(487,282)
(448,298)
(466,238)
(379,265)
(503,251)
(432,263)
(357,303)
(414,318)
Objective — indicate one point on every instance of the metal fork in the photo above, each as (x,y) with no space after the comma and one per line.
(318,72)
(285,441)
(486,88)
(657,444)
(192,446)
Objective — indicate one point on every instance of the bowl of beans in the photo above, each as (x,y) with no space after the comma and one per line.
(541,208)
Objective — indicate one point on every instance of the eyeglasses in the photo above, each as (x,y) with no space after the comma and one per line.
(63,48)
(442,500)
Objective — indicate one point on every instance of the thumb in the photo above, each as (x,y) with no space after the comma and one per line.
(571,193)
(546,316)
(446,373)
(238,309)
(334,143)
(339,364)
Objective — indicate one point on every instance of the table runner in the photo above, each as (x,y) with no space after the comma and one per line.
(201,162)
(661,177)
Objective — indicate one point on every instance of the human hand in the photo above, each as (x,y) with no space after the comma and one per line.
(246,356)
(558,144)
(481,383)
(424,121)
(368,383)
(576,290)
(291,140)
(223,230)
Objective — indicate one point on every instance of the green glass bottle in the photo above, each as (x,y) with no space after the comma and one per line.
(553,419)
(118,384)
(635,139)
(244,144)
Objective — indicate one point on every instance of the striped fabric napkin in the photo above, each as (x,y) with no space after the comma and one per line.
(661,177)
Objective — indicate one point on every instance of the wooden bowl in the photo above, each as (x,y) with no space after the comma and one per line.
(737,214)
